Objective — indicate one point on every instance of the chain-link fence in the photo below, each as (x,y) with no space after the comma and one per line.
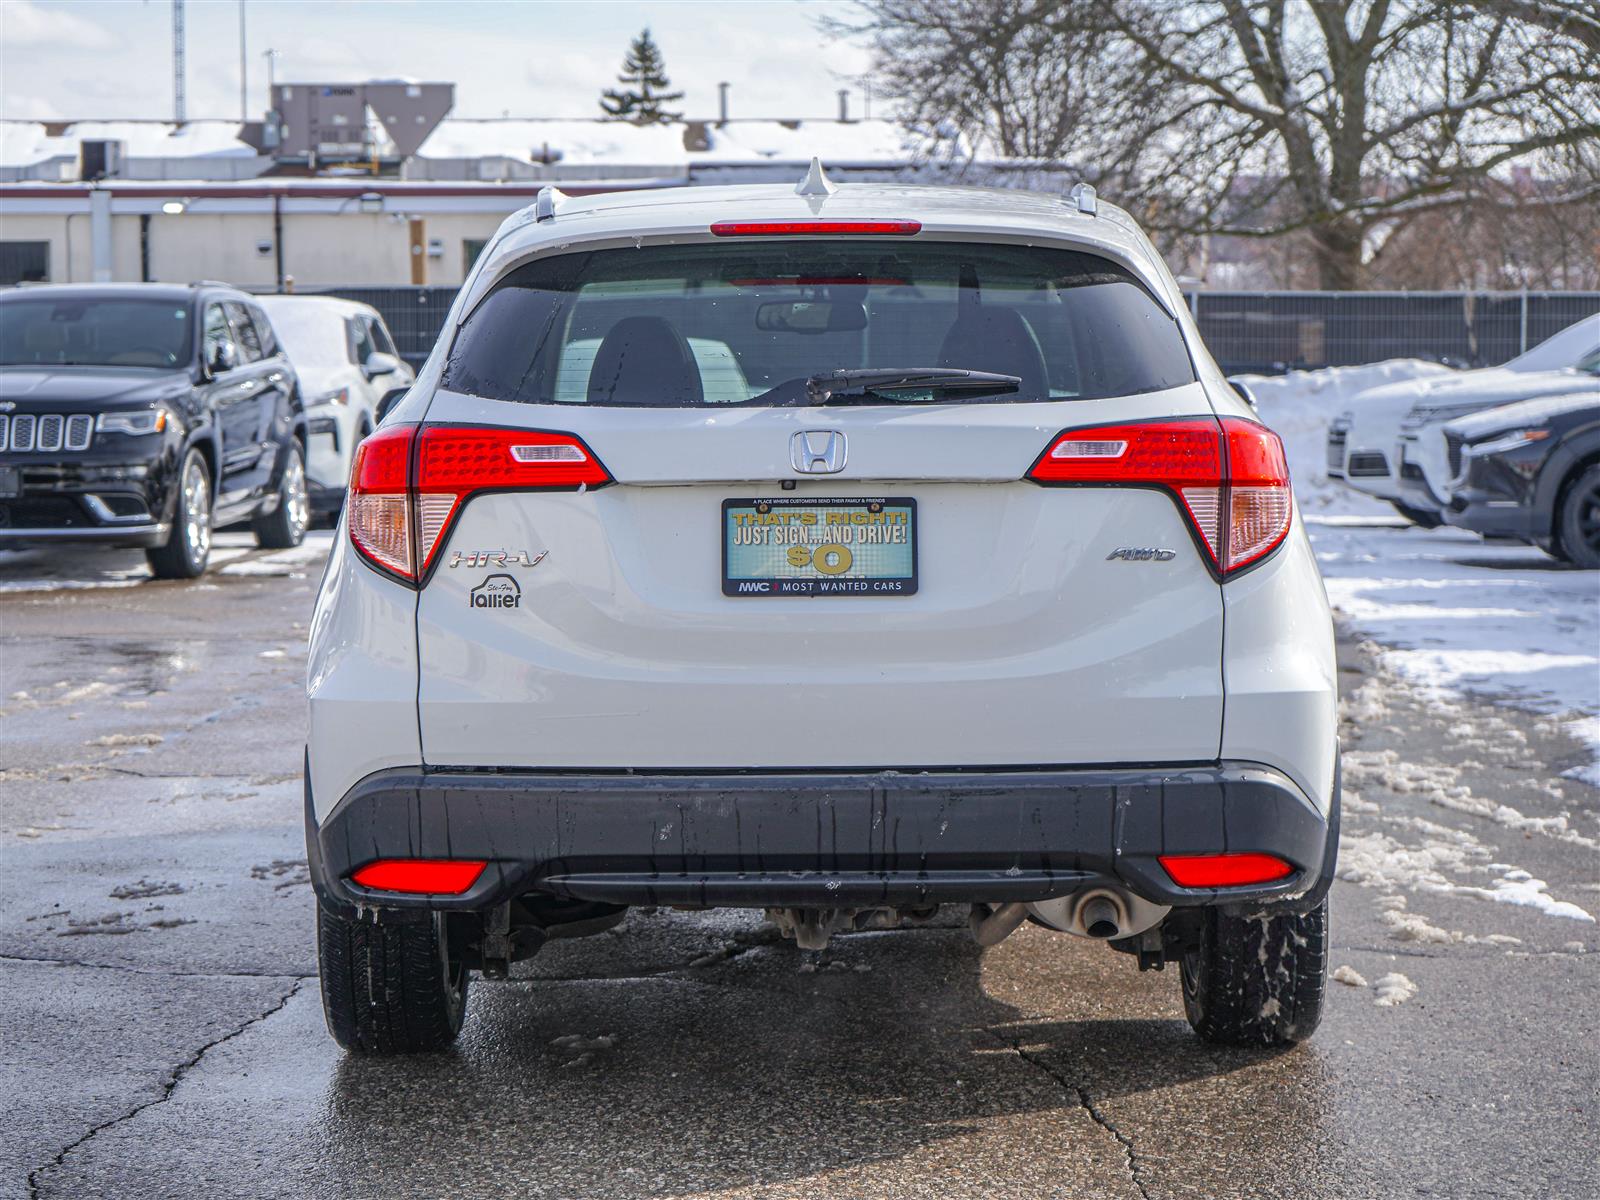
(1246,331)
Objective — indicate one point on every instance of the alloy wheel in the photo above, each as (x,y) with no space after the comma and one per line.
(296,500)
(196,513)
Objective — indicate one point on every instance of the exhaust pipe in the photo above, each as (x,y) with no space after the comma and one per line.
(1099,917)
(1101,913)
(991,926)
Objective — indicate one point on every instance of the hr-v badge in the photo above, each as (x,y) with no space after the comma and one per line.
(497,591)
(496,558)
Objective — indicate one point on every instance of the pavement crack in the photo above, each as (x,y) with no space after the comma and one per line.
(168,1086)
(48,961)
(1086,1102)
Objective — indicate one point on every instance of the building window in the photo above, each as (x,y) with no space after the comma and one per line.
(28,262)
(470,249)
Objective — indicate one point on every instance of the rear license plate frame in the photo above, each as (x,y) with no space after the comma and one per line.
(818,583)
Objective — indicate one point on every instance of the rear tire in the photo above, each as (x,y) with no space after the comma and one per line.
(1578,528)
(188,546)
(1420,517)
(1257,981)
(285,526)
(389,988)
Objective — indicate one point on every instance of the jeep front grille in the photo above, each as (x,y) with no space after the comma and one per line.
(27,433)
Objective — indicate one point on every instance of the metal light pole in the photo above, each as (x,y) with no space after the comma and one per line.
(179,107)
(244,70)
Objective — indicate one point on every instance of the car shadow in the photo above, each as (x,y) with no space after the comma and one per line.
(757,1072)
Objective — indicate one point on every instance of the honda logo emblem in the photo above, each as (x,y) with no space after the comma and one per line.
(817,452)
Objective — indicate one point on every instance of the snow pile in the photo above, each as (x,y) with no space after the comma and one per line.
(1299,406)
(577,142)
(1349,976)
(1378,861)
(25,143)
(1394,989)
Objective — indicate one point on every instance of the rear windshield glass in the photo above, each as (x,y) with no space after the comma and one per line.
(94,332)
(751,323)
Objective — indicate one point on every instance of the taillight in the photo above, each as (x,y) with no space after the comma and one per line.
(420,876)
(407,484)
(378,503)
(825,228)
(1224,870)
(1229,476)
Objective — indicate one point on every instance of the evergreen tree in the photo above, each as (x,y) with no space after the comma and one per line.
(645,78)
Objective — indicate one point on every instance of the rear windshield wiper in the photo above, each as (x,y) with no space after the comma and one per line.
(905,385)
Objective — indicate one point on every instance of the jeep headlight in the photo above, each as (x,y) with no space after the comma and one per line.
(147,420)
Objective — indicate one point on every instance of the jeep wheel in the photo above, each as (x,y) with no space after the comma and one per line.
(1257,981)
(389,988)
(188,546)
(1579,518)
(285,526)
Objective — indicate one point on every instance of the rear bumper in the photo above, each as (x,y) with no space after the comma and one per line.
(833,840)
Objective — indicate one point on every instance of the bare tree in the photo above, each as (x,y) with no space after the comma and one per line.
(1349,120)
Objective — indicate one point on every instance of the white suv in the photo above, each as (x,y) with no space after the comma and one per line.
(839,552)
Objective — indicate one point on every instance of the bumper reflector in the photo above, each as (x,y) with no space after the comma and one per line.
(1223,870)
(420,876)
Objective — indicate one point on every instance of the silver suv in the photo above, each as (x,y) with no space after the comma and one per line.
(842,552)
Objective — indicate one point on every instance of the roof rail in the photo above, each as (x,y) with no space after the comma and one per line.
(816,182)
(546,202)
(212,283)
(1083,198)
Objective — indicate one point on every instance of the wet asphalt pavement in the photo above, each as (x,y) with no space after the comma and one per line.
(161,1032)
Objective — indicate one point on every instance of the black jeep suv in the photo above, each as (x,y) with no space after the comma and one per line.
(147,415)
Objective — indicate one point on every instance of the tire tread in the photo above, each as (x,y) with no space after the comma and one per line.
(1261,980)
(383,991)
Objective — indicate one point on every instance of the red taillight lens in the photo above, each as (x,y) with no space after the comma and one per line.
(420,876)
(825,228)
(407,484)
(379,501)
(1260,502)
(1229,474)
(1224,870)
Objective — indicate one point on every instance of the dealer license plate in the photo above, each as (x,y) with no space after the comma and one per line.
(801,546)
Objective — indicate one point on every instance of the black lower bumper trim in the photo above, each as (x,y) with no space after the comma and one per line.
(825,839)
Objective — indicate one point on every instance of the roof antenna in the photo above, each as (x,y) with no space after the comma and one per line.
(815,183)
(1082,196)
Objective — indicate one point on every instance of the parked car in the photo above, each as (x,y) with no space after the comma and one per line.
(146,415)
(905,587)
(1424,469)
(1367,438)
(1530,470)
(346,362)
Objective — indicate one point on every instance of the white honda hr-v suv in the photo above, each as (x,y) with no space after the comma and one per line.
(838,551)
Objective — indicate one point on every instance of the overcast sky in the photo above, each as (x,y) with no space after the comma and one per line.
(535,58)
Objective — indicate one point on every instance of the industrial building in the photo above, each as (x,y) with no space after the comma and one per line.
(368,184)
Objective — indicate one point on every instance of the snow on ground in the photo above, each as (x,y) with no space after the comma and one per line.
(1449,613)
